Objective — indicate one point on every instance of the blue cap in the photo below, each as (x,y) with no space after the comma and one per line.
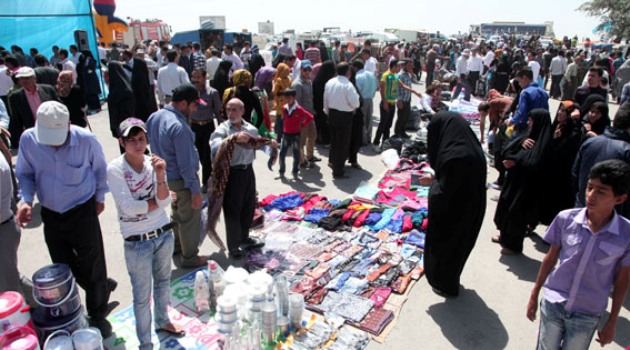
(306,64)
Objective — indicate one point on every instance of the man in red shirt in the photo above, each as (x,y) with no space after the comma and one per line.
(294,119)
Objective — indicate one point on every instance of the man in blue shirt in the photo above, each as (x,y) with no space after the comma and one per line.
(531,97)
(66,167)
(367,86)
(172,139)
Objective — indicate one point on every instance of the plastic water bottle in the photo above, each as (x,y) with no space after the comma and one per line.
(215,282)
(423,132)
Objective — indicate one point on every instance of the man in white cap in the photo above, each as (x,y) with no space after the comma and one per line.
(65,166)
(24,103)
(461,70)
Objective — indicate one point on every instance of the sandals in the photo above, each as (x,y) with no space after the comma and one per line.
(172,330)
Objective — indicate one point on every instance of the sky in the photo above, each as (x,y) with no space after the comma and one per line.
(448,17)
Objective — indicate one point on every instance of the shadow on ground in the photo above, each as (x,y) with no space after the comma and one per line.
(524,267)
(468,323)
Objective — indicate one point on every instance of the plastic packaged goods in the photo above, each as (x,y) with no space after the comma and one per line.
(215,283)
(202,292)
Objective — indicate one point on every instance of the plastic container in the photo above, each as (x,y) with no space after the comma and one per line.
(226,304)
(215,282)
(52,283)
(19,338)
(13,312)
(67,306)
(59,340)
(87,339)
(45,326)
(227,318)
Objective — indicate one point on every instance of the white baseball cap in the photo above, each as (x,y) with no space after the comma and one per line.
(53,120)
(25,72)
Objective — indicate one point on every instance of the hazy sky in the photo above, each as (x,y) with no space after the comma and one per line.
(449,17)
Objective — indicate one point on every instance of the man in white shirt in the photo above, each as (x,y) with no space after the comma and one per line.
(228,54)
(74,54)
(370,63)
(170,77)
(461,70)
(534,65)
(489,57)
(557,68)
(6,83)
(67,64)
(475,67)
(340,101)
(212,63)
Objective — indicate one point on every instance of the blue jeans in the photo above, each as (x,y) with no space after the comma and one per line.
(561,329)
(149,261)
(290,141)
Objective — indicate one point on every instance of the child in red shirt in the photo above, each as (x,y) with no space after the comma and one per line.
(294,118)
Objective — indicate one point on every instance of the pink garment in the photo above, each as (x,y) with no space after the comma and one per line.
(33,101)
(380,296)
(407,224)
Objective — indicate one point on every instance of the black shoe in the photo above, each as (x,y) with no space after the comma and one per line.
(111,284)
(103,325)
(443,294)
(295,174)
(314,159)
(251,243)
(306,164)
(236,254)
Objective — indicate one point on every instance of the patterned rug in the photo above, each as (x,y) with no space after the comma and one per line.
(201,329)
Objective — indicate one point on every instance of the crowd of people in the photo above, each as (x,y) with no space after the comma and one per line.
(206,111)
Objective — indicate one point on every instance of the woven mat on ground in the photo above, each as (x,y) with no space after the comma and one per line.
(201,330)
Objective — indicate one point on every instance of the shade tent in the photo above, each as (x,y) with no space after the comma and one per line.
(43,24)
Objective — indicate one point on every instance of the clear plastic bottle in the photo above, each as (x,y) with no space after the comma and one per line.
(282,295)
(215,281)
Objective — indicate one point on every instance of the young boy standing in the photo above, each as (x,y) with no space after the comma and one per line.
(138,185)
(294,119)
(593,247)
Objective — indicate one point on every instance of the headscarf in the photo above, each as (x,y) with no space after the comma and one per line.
(569,124)
(450,137)
(264,76)
(492,94)
(242,78)
(326,72)
(536,157)
(600,125)
(282,72)
(64,83)
(588,102)
(221,79)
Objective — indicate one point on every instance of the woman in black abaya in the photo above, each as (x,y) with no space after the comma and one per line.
(558,192)
(326,72)
(120,101)
(221,79)
(526,159)
(459,189)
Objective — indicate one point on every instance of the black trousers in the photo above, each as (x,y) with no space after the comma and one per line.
(202,142)
(473,77)
(430,69)
(357,136)
(323,129)
(554,91)
(74,238)
(385,124)
(239,203)
(340,129)
(403,118)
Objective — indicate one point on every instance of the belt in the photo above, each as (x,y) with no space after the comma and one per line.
(6,221)
(200,122)
(151,234)
(241,167)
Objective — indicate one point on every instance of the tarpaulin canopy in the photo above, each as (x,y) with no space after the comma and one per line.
(43,24)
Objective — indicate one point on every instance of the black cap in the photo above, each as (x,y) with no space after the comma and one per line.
(188,93)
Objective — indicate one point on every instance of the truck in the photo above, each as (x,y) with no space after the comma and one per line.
(205,37)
